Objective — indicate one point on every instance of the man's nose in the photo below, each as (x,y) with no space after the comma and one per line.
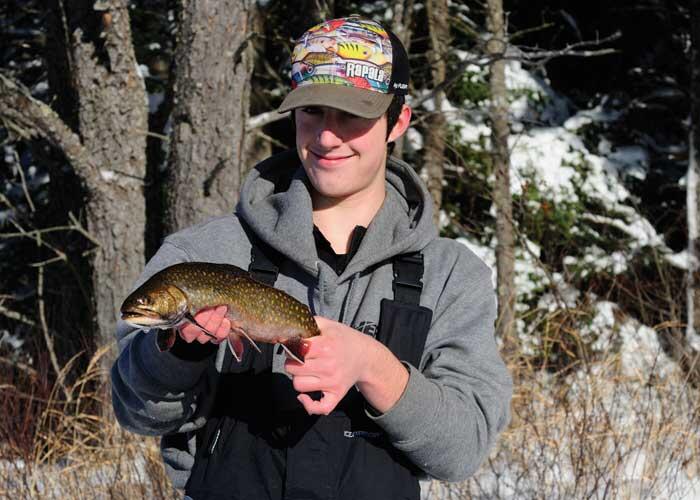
(328,133)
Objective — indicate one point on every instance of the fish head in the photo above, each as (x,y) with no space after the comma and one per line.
(155,305)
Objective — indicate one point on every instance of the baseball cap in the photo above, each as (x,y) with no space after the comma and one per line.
(352,64)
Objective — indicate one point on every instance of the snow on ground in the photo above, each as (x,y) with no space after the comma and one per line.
(557,160)
(548,151)
(69,480)
(623,433)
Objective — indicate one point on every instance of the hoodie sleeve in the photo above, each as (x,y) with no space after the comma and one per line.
(452,410)
(153,392)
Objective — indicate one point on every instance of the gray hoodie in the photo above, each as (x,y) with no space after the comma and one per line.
(456,401)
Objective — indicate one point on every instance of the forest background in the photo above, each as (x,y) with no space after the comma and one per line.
(556,137)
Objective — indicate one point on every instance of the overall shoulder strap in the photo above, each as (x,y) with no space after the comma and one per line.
(264,261)
(262,268)
(408,277)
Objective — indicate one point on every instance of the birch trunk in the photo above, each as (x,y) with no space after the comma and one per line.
(693,184)
(436,124)
(401,26)
(505,247)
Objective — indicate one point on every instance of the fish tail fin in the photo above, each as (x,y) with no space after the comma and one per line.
(235,345)
(294,349)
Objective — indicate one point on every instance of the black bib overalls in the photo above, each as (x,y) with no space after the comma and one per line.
(259,443)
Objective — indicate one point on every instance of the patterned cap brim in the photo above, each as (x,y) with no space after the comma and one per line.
(356,101)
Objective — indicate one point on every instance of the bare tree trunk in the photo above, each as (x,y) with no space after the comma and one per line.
(505,247)
(113,122)
(107,151)
(436,124)
(317,11)
(212,90)
(693,187)
(693,211)
(258,146)
(401,26)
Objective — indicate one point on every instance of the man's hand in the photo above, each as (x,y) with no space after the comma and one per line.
(214,320)
(340,358)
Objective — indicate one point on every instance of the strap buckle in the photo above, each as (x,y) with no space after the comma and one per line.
(408,274)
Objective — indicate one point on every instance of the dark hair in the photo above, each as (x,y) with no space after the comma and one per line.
(392,116)
(393,112)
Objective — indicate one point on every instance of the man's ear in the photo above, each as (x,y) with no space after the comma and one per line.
(402,123)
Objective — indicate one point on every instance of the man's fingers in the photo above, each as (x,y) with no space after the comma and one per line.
(213,320)
(224,330)
(306,384)
(314,347)
(203,316)
(312,367)
(322,322)
(188,332)
(322,407)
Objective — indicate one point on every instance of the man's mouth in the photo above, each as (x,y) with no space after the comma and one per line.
(329,159)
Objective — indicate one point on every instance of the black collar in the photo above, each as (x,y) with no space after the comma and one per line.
(338,262)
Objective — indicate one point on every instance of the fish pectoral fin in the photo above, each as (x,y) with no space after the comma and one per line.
(165,339)
(190,319)
(293,350)
(235,346)
(241,331)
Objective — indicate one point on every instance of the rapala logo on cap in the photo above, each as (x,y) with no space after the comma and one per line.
(364,71)
(401,86)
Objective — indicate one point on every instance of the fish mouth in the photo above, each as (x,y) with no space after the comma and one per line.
(143,317)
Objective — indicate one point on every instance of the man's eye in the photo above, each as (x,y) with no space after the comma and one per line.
(311,110)
(355,119)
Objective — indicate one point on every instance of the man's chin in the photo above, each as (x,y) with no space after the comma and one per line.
(332,190)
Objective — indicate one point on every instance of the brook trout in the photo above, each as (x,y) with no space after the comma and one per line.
(258,312)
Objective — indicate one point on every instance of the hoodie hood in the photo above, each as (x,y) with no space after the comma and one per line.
(276,204)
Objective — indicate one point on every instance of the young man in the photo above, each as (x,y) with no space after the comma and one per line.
(405,379)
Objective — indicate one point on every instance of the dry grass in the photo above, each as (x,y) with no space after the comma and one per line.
(76,453)
(603,430)
(597,431)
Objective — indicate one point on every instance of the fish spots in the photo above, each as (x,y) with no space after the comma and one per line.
(266,313)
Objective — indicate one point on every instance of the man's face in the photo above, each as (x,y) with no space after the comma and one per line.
(343,155)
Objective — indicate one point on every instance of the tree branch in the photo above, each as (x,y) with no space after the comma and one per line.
(30,118)
(259,121)
(526,55)
(538,57)
(456,75)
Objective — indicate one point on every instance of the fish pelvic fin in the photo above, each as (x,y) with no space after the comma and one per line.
(165,339)
(235,345)
(241,331)
(293,349)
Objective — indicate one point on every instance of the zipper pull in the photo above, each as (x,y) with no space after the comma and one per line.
(214,441)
